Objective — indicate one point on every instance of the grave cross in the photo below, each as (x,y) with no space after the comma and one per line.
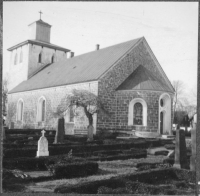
(43,132)
(40,14)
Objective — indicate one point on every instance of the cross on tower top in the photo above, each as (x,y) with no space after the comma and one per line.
(40,14)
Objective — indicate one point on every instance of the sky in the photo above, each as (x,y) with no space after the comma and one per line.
(170,28)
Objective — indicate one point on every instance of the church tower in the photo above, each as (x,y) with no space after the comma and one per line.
(29,57)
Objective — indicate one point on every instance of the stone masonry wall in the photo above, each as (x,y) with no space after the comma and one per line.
(139,55)
(151,99)
(53,98)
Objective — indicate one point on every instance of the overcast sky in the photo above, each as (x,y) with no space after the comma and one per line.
(170,28)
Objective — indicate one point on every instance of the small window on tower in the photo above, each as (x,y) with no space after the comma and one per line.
(40,58)
(15,61)
(53,59)
(21,56)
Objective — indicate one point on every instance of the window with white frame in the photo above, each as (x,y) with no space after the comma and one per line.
(20,109)
(137,114)
(41,109)
(69,115)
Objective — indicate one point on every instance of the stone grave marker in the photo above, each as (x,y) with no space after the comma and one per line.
(180,150)
(60,132)
(42,146)
(4,133)
(193,143)
(11,126)
(90,133)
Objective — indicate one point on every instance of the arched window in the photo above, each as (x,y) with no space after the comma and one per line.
(21,56)
(138,117)
(41,110)
(53,58)
(71,115)
(40,58)
(20,108)
(15,61)
(137,114)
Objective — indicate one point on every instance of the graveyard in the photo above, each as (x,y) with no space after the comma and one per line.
(39,161)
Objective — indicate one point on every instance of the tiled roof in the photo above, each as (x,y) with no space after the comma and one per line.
(82,68)
(40,43)
(143,79)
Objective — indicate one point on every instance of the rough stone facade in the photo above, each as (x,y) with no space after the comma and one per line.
(53,98)
(116,102)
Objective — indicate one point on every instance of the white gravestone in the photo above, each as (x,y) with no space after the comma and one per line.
(42,146)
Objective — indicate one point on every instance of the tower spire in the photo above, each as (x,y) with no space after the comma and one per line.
(40,14)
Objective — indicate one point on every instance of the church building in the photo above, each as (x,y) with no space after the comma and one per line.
(127,78)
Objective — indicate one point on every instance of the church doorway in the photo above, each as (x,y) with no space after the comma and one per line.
(164,114)
(161,122)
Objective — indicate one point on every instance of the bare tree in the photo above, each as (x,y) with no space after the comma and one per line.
(90,103)
(5,94)
(178,97)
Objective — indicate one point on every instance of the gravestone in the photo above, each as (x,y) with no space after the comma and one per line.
(193,143)
(69,128)
(90,133)
(180,150)
(42,146)
(4,134)
(60,132)
(11,125)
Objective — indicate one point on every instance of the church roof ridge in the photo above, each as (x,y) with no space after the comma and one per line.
(38,42)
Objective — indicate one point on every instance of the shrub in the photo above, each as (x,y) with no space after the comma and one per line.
(119,157)
(64,149)
(39,164)
(106,190)
(169,161)
(76,169)
(91,187)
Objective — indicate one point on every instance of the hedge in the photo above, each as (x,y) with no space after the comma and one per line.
(119,157)
(39,163)
(91,187)
(76,169)
(123,181)
(28,131)
(56,150)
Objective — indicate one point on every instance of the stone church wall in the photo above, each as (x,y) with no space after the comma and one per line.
(117,102)
(53,98)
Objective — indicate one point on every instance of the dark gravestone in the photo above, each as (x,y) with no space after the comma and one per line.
(12,125)
(180,150)
(90,133)
(193,142)
(60,132)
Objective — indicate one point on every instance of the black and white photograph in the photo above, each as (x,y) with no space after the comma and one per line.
(99,97)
